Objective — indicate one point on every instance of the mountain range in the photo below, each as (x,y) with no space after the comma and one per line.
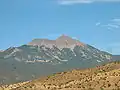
(42,57)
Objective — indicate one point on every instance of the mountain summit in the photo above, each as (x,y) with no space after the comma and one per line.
(61,42)
(64,37)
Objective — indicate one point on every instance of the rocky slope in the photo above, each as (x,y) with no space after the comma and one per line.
(106,77)
(43,57)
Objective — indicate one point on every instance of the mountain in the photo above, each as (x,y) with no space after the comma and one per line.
(104,77)
(116,57)
(1,50)
(43,57)
(61,42)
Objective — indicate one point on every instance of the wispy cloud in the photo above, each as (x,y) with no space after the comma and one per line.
(116,21)
(112,24)
(98,23)
(68,2)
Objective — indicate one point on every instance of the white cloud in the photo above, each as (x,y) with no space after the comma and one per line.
(116,21)
(74,1)
(68,2)
(112,24)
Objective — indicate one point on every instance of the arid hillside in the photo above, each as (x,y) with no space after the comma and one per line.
(106,77)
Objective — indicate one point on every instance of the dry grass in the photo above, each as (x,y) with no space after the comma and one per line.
(105,77)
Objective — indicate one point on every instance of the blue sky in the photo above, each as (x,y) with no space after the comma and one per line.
(95,22)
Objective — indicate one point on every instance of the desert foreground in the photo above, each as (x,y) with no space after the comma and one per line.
(106,77)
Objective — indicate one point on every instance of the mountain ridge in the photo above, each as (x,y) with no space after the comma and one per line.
(27,62)
(61,42)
